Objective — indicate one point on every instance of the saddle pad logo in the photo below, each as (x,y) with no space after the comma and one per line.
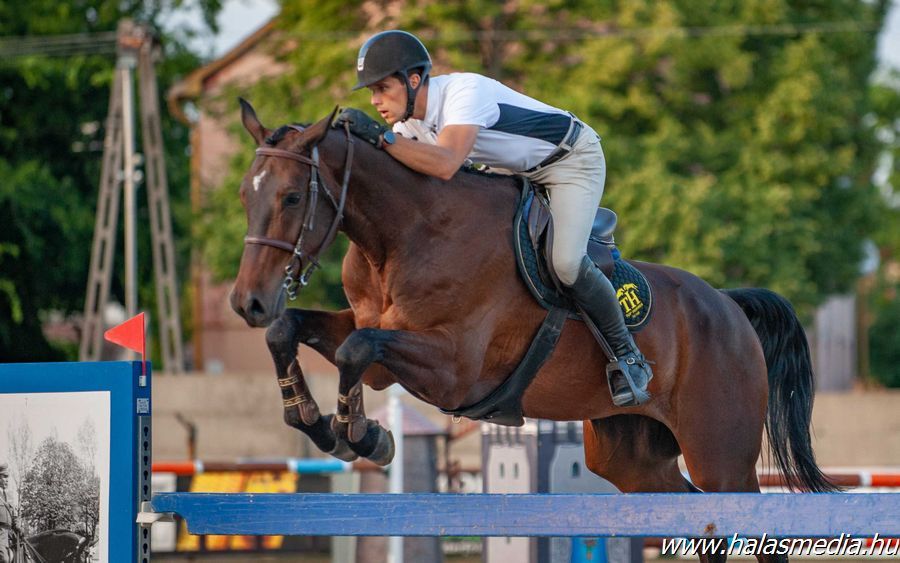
(630,301)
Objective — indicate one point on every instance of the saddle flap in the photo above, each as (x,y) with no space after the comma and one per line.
(602,256)
(539,218)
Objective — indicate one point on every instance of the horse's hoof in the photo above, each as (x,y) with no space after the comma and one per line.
(342,451)
(383,453)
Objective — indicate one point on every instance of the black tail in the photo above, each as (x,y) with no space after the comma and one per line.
(791,386)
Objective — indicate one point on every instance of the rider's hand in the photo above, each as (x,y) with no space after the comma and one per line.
(361,125)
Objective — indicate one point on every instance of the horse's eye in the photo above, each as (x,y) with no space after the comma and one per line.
(292,199)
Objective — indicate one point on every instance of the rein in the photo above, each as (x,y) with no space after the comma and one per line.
(295,279)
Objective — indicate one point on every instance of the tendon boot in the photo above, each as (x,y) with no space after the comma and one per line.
(596,298)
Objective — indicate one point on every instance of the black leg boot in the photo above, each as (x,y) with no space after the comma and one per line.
(596,297)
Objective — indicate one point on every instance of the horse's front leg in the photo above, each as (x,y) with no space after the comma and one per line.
(324,332)
(422,361)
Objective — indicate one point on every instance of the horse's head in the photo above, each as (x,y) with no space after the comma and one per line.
(293,209)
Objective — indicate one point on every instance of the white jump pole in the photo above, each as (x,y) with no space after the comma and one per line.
(395,419)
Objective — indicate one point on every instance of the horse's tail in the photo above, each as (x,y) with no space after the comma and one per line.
(791,386)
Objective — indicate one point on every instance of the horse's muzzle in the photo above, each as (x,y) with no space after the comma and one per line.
(258,311)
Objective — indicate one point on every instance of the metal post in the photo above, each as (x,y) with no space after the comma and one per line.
(102,250)
(157,187)
(125,69)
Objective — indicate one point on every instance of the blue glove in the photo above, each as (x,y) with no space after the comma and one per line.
(362,125)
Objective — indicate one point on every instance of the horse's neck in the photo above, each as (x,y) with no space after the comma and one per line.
(381,204)
(387,203)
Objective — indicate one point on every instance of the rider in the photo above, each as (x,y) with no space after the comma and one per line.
(6,517)
(442,121)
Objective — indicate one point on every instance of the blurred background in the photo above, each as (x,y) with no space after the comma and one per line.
(752,142)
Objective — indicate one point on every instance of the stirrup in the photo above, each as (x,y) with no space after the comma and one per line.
(620,368)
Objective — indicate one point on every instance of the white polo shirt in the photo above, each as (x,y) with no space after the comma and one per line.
(517,132)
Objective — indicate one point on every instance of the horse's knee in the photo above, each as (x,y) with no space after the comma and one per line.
(280,334)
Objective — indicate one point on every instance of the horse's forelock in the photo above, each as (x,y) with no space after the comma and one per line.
(282,131)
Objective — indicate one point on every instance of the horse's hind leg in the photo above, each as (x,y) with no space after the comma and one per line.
(638,454)
(324,332)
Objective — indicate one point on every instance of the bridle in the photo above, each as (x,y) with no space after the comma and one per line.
(295,279)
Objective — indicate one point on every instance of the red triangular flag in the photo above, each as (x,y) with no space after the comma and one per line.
(129,334)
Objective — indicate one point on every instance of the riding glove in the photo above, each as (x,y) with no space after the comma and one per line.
(362,125)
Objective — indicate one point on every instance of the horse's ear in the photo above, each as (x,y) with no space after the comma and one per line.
(251,122)
(318,131)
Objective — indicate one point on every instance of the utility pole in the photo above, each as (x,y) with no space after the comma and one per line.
(135,49)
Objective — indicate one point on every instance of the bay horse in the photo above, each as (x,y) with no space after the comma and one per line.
(437,306)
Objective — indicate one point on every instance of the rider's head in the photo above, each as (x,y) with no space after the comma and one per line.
(395,65)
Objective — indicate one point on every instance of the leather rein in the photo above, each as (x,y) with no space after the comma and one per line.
(295,279)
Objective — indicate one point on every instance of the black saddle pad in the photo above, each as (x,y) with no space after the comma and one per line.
(630,284)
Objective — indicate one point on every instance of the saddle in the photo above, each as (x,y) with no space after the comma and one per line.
(533,241)
(533,238)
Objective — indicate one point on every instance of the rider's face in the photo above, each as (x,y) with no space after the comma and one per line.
(389,98)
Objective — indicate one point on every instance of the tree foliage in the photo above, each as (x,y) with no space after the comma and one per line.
(738,134)
(59,492)
(52,119)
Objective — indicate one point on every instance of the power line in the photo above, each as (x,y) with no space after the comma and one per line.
(101,43)
(104,43)
(608,30)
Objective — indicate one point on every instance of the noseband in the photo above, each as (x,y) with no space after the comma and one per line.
(294,279)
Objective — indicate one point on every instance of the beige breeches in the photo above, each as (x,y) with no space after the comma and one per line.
(575,183)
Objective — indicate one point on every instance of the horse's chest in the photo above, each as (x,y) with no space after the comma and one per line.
(382,313)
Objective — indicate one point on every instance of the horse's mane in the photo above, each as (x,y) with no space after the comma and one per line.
(470,177)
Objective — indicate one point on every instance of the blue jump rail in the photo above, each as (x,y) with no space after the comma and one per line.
(545,515)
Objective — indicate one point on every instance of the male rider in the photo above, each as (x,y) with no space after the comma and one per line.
(442,121)
(6,521)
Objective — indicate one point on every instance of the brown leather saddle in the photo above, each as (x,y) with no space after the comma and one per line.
(601,242)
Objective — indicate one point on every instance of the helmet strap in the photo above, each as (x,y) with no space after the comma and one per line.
(411,93)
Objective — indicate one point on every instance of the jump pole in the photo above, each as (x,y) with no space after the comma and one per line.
(538,515)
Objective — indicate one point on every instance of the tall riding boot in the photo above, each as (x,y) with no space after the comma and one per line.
(596,297)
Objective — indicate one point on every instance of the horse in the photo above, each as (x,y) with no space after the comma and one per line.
(438,307)
(57,546)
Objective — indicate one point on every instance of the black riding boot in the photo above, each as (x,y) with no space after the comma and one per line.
(596,297)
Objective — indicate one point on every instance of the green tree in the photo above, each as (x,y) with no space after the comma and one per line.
(52,117)
(884,300)
(58,491)
(737,134)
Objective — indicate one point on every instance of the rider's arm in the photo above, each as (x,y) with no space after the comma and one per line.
(442,159)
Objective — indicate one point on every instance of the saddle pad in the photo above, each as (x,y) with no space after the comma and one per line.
(631,286)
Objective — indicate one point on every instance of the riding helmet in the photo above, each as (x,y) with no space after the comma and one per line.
(393,52)
(390,52)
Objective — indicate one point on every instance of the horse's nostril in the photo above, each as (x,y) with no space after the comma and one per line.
(256,308)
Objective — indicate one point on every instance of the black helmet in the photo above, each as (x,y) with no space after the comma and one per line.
(392,52)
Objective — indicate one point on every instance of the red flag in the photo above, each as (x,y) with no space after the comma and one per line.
(129,334)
